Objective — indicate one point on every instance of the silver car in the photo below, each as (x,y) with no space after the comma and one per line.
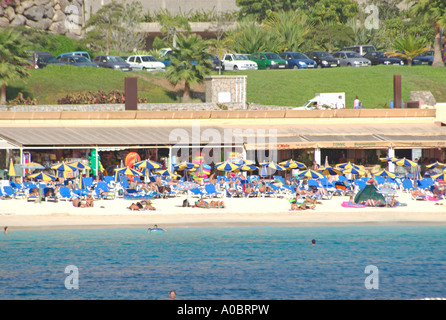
(351,59)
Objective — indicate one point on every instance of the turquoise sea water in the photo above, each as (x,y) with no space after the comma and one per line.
(233,263)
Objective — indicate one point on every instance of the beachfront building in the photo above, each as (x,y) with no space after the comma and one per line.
(174,136)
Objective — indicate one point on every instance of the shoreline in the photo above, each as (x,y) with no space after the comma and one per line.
(20,214)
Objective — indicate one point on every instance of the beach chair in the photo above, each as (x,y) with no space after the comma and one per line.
(197,192)
(408,185)
(9,192)
(104,192)
(342,189)
(65,194)
(234,194)
(50,198)
(211,191)
(19,189)
(360,184)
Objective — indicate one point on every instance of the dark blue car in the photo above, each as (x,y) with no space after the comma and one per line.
(298,60)
(425,58)
(380,57)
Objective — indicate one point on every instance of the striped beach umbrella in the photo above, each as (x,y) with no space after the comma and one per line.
(275,166)
(42,176)
(441,176)
(185,166)
(354,170)
(348,165)
(436,164)
(310,174)
(404,162)
(79,165)
(63,167)
(330,171)
(33,165)
(248,167)
(226,166)
(385,173)
(167,173)
(388,159)
(291,164)
(126,171)
(148,164)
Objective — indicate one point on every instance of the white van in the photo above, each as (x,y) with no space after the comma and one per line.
(362,49)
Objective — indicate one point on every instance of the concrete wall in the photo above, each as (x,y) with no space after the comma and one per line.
(227,90)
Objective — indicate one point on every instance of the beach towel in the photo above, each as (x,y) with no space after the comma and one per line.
(352,205)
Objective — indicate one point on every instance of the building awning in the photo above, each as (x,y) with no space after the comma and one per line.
(356,136)
(4,144)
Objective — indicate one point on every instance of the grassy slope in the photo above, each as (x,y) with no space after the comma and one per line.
(373,85)
(54,82)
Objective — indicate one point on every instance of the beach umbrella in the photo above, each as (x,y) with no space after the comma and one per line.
(226,166)
(42,176)
(275,166)
(79,165)
(167,173)
(440,176)
(404,162)
(127,172)
(291,164)
(11,169)
(242,162)
(310,174)
(388,159)
(328,171)
(185,166)
(436,164)
(63,167)
(148,164)
(146,172)
(385,173)
(353,170)
(416,173)
(248,167)
(82,185)
(33,165)
(348,165)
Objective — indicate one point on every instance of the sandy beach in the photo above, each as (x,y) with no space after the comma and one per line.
(21,214)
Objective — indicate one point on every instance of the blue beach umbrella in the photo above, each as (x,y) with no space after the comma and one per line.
(148,164)
(79,165)
(63,167)
(328,171)
(185,166)
(436,164)
(292,164)
(42,176)
(385,173)
(353,170)
(167,173)
(226,166)
(405,162)
(441,176)
(310,174)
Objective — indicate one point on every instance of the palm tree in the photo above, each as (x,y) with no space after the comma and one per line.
(408,48)
(433,11)
(290,28)
(189,62)
(13,59)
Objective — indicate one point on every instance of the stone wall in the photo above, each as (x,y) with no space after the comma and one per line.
(58,16)
(228,91)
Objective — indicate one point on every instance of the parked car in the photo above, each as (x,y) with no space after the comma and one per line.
(112,62)
(145,62)
(268,60)
(75,53)
(361,49)
(238,62)
(216,63)
(323,59)
(40,59)
(298,60)
(380,57)
(351,59)
(77,61)
(424,58)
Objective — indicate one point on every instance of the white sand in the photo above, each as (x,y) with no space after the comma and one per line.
(18,213)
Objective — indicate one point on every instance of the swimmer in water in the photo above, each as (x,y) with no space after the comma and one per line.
(155,228)
(313,242)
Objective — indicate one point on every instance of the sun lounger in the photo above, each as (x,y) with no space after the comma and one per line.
(211,191)
(9,192)
(65,194)
(408,185)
